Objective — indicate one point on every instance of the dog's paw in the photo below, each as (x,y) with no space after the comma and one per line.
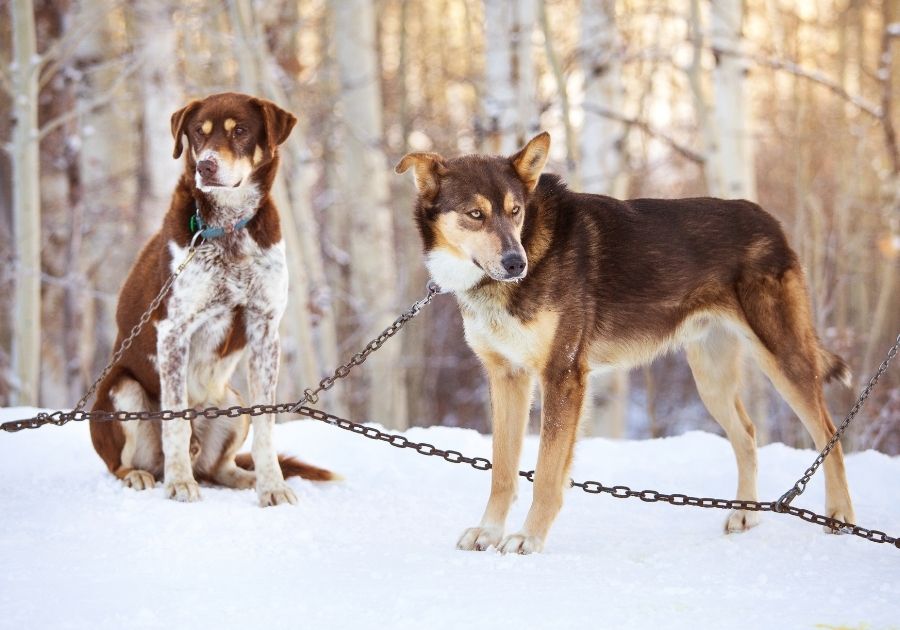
(139,480)
(845,515)
(277,495)
(186,490)
(740,521)
(521,544)
(480,538)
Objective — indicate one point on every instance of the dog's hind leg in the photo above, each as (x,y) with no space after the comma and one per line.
(140,456)
(715,364)
(222,438)
(788,351)
(510,400)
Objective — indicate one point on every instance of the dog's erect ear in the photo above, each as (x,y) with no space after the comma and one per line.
(277,121)
(428,169)
(530,160)
(179,121)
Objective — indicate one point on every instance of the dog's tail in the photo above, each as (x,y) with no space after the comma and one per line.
(835,368)
(291,467)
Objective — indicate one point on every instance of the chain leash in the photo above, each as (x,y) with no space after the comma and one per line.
(311,396)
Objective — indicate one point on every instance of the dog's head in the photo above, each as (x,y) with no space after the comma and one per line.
(230,136)
(471,210)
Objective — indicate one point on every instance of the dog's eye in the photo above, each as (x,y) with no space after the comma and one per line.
(475,214)
(515,210)
(239,131)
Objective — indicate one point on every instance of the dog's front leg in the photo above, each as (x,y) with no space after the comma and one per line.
(510,400)
(172,348)
(563,387)
(265,352)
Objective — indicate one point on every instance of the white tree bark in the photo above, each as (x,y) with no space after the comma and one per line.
(500,119)
(737,176)
(601,171)
(364,190)
(161,94)
(26,342)
(524,80)
(602,138)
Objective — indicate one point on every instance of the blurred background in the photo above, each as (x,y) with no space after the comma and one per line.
(790,103)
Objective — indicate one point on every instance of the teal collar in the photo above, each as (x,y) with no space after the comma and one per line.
(206,232)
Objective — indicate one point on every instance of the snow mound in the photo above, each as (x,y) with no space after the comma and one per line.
(376,550)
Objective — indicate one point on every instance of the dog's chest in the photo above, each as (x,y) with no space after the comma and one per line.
(223,300)
(490,328)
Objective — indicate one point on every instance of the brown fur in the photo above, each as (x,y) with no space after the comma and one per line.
(209,122)
(614,283)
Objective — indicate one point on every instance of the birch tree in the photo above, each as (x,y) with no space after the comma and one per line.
(26,342)
(601,170)
(364,190)
(499,97)
(602,136)
(734,152)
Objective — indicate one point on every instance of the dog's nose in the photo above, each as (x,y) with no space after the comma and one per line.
(207,168)
(514,264)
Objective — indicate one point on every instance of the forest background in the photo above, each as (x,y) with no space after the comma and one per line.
(790,103)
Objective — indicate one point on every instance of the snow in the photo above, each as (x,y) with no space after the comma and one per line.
(376,550)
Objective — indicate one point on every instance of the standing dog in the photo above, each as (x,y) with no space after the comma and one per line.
(230,298)
(552,284)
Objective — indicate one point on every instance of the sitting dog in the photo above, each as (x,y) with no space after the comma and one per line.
(228,300)
(552,284)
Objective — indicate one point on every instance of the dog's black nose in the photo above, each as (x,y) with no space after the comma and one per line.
(514,264)
(207,168)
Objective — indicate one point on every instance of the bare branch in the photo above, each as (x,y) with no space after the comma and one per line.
(65,46)
(811,75)
(644,126)
(95,103)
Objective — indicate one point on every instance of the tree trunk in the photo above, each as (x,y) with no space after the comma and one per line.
(602,139)
(160,95)
(364,191)
(737,176)
(499,98)
(26,342)
(601,172)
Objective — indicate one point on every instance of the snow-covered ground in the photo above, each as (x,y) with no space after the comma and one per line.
(377,550)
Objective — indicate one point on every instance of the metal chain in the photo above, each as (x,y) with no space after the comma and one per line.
(800,485)
(60,418)
(136,329)
(453,456)
(595,487)
(312,395)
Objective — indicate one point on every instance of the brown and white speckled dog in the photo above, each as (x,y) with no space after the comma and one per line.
(229,300)
(552,284)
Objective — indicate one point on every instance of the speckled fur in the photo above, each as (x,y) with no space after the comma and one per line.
(227,303)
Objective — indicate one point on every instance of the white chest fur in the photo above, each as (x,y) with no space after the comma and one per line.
(206,297)
(491,328)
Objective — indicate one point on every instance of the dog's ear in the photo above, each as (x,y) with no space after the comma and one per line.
(278,122)
(428,169)
(530,160)
(179,122)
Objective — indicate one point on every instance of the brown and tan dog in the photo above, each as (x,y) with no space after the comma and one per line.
(552,284)
(228,301)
